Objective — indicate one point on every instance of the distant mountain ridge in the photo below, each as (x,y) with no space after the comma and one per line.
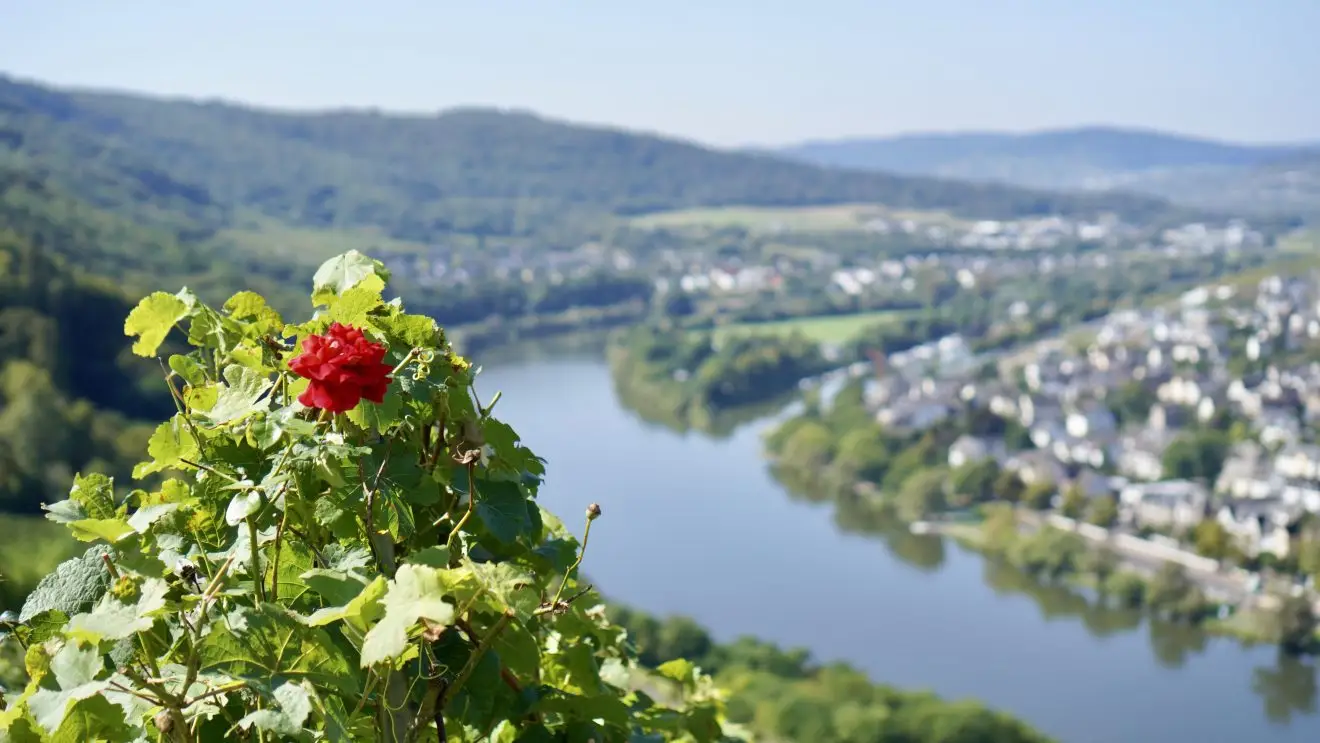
(1097,157)
(480,173)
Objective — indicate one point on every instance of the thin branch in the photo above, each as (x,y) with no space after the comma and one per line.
(473,660)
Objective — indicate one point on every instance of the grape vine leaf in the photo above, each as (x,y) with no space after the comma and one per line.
(503,510)
(242,395)
(72,588)
(343,272)
(295,704)
(152,319)
(415,593)
(113,619)
(269,643)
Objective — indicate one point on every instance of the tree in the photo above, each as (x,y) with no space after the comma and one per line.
(1101,562)
(1009,487)
(1198,455)
(1212,540)
(922,494)
(1039,494)
(1172,593)
(974,482)
(1074,502)
(1295,624)
(1126,588)
(1000,527)
(1103,511)
(862,454)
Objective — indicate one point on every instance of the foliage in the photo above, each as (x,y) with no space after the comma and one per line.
(382,574)
(1103,511)
(1196,455)
(1171,593)
(693,375)
(471,172)
(923,494)
(1213,540)
(1295,624)
(783,695)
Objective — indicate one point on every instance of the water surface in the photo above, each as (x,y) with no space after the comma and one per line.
(696,525)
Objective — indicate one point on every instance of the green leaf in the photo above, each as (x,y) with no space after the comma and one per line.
(415,593)
(343,272)
(295,559)
(294,705)
(243,395)
(502,508)
(271,644)
(378,416)
(352,306)
(95,493)
(72,588)
(75,665)
(152,319)
(415,331)
(242,506)
(170,444)
(109,530)
(113,619)
(46,625)
(188,368)
(144,517)
(360,611)
(247,305)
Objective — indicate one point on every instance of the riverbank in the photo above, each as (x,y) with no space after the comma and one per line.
(1250,621)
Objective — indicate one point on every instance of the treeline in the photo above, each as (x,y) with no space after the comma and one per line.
(690,375)
(784,695)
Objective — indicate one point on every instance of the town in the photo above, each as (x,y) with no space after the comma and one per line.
(1181,433)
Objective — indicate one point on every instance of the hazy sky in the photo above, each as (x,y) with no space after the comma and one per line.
(725,72)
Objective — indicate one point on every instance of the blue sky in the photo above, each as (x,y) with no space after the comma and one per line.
(725,72)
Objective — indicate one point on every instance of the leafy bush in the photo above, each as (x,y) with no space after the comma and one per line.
(380,574)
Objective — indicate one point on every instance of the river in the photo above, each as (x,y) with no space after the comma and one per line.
(696,525)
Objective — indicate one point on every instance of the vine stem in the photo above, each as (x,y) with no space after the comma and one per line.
(472,504)
(586,534)
(473,660)
(275,564)
(257,580)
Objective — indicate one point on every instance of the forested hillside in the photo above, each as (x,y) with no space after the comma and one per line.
(197,167)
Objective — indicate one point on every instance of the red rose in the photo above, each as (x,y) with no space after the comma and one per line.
(344,368)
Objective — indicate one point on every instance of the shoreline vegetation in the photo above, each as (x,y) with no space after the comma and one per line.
(698,380)
(841,455)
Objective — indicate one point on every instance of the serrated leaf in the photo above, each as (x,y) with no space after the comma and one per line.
(378,416)
(343,272)
(188,368)
(170,444)
(502,508)
(270,644)
(95,493)
(46,625)
(352,306)
(109,530)
(152,319)
(64,512)
(360,611)
(417,331)
(75,665)
(113,619)
(243,394)
(72,588)
(415,593)
(294,706)
(247,305)
(144,517)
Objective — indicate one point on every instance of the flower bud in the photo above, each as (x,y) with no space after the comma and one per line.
(593,511)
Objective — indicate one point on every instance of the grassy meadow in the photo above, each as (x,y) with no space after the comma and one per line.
(822,329)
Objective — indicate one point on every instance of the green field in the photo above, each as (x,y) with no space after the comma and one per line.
(30,547)
(833,218)
(822,329)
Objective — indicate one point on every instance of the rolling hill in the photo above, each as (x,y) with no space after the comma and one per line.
(199,167)
(1186,169)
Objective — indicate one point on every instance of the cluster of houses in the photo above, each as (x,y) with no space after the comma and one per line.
(1221,357)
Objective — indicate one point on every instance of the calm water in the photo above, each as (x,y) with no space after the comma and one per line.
(696,525)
